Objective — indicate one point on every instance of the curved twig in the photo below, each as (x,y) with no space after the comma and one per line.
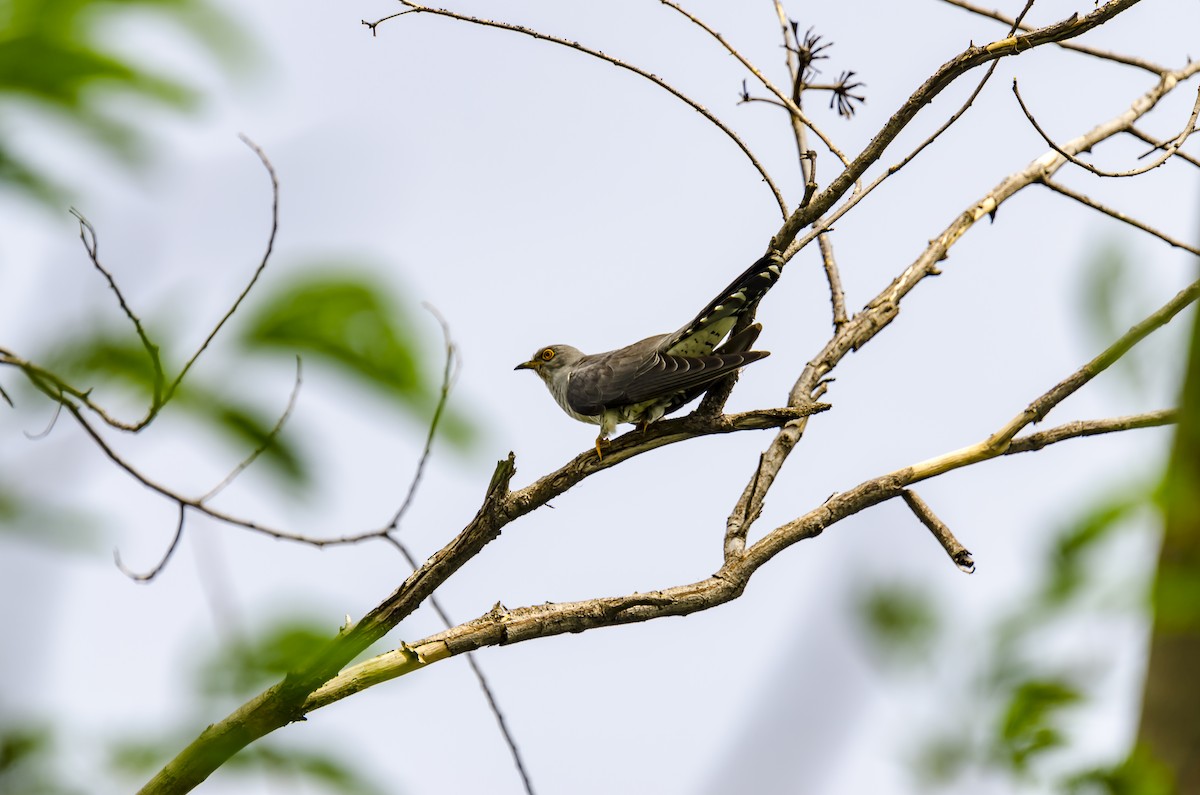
(91,244)
(262,265)
(574,45)
(267,442)
(449,372)
(1169,149)
(1120,216)
(162,563)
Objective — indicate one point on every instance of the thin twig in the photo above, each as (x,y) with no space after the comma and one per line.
(162,563)
(266,442)
(262,265)
(1000,441)
(1120,216)
(87,233)
(941,531)
(1081,428)
(493,704)
(880,312)
(448,375)
(946,75)
(784,100)
(1139,63)
(1182,155)
(574,45)
(837,296)
(1168,151)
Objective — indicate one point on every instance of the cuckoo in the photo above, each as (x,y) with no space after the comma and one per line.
(647,380)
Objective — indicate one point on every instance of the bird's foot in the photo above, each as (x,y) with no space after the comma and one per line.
(601,441)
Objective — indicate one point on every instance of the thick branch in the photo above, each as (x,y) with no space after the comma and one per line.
(938,82)
(884,308)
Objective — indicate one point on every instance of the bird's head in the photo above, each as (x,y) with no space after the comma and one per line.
(550,360)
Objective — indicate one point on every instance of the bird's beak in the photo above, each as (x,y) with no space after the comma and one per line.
(532,364)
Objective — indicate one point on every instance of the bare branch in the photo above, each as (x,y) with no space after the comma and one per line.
(1015,25)
(1000,441)
(494,705)
(449,371)
(262,265)
(1120,216)
(949,72)
(87,233)
(1081,428)
(501,626)
(1182,155)
(957,552)
(880,312)
(267,442)
(1168,152)
(837,296)
(162,563)
(574,45)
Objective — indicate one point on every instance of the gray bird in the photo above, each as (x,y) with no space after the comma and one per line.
(647,380)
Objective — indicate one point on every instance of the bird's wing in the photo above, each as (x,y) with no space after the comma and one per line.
(668,375)
(699,337)
(602,380)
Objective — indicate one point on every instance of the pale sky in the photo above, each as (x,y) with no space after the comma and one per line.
(534,196)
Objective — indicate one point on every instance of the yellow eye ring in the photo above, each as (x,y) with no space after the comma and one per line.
(547,354)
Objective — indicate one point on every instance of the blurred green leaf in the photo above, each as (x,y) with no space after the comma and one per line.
(284,764)
(248,429)
(321,767)
(1070,569)
(1137,775)
(345,318)
(33,520)
(1111,291)
(53,55)
(28,761)
(247,666)
(901,619)
(98,358)
(1028,725)
(109,359)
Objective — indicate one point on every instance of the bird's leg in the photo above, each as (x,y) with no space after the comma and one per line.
(600,440)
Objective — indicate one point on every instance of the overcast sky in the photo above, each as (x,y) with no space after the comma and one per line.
(534,196)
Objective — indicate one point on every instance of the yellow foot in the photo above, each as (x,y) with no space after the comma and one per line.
(600,440)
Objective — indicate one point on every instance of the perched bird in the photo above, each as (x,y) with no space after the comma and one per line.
(642,382)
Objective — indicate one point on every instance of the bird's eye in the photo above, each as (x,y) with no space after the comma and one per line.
(547,354)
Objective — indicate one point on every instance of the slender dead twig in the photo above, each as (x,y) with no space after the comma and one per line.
(1120,216)
(880,312)
(574,45)
(245,463)
(782,99)
(1080,428)
(1168,151)
(941,531)
(1000,441)
(945,75)
(162,563)
(449,371)
(91,244)
(493,704)
(1015,25)
(837,295)
(262,265)
(1179,153)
